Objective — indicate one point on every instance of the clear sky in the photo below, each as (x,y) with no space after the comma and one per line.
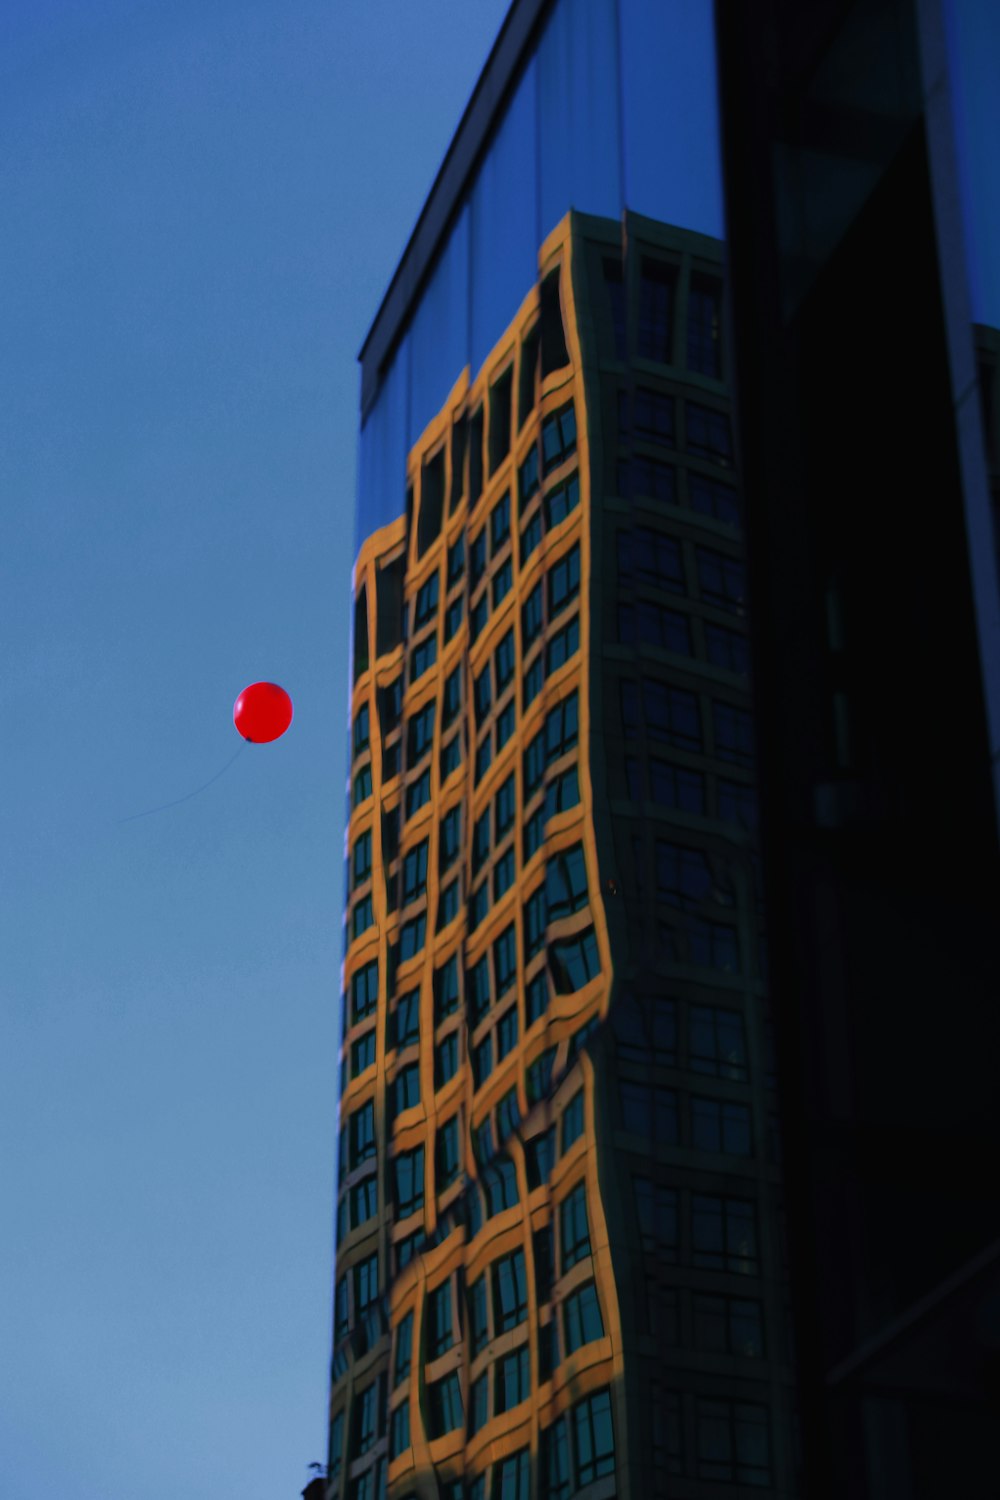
(202,203)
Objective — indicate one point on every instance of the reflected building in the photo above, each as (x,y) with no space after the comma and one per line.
(561,1244)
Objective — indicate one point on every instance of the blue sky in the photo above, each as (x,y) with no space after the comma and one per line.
(203,203)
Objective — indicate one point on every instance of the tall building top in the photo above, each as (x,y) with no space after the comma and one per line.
(590,105)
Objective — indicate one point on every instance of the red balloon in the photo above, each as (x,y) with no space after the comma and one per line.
(262,712)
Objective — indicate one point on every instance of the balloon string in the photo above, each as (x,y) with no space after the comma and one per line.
(187,797)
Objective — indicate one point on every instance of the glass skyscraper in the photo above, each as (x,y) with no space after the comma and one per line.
(562,1262)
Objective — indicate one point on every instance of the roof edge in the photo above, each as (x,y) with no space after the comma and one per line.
(460,160)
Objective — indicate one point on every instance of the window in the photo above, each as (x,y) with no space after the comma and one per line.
(737,803)
(477,559)
(536,997)
(538,1079)
(718,1125)
(500,418)
(364,1201)
(362,858)
(656,309)
(645,623)
(566,883)
(531,617)
(479,905)
(564,581)
(452,700)
(366,1418)
(341,1322)
(362,721)
(412,937)
(558,438)
(649,477)
(479,1403)
(540,1156)
(453,617)
(427,600)
(445,1404)
(733,1442)
(727,649)
(500,1180)
(728,1325)
(482,1061)
(451,756)
(511,1479)
(572,1120)
(445,1060)
(548,1349)
(409,1167)
(362,786)
(530,537)
(446,984)
(456,560)
(439,1331)
(484,758)
(418,793)
(406,1092)
(505,725)
(562,501)
(364,991)
(573,1230)
(499,524)
(562,728)
(447,1154)
(533,679)
(648,556)
(683,876)
(656,1209)
(574,962)
(534,764)
(654,415)
(708,433)
(510,1291)
(336,1453)
(562,793)
(504,661)
(363,1054)
(508,1114)
(717,1044)
(582,1321)
(449,838)
(534,833)
(362,917)
(480,842)
(478,616)
(554,1461)
(672,786)
(415,873)
(562,646)
(447,905)
(593,1438)
(534,923)
(513,1382)
(399,1430)
(721,580)
(505,808)
(527,479)
(650,1111)
(479,1332)
(366,1284)
(502,582)
(724,1234)
(477,989)
(423,656)
(362,1134)
(710,498)
(704,319)
(733,729)
(507,1033)
(671,714)
(614,281)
